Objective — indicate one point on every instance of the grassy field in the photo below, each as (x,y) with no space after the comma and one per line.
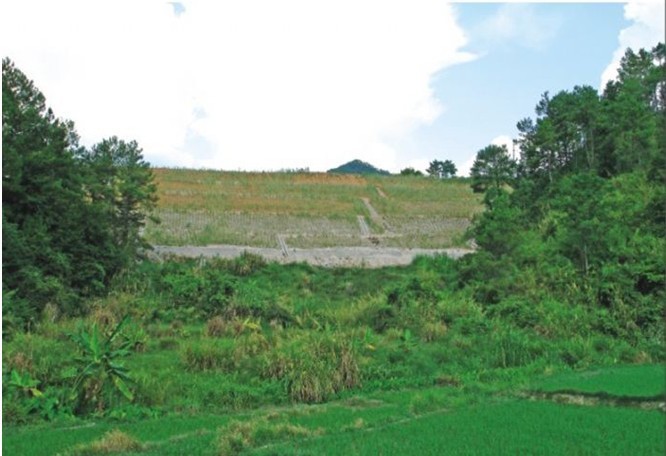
(426,421)
(308,209)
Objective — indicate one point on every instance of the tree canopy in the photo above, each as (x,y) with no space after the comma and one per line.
(70,216)
(442,169)
(582,212)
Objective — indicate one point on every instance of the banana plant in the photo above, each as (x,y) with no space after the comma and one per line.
(99,365)
(24,383)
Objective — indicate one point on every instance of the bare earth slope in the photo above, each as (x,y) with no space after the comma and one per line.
(321,219)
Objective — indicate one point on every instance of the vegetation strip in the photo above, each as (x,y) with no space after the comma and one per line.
(578,398)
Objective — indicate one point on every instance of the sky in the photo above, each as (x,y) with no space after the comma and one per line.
(263,85)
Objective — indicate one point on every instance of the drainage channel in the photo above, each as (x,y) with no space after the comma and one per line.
(576,398)
(365,229)
(283,245)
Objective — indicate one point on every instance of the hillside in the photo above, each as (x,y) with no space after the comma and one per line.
(358,167)
(309,210)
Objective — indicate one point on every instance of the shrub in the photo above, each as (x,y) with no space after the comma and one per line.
(512,347)
(247,264)
(314,366)
(44,358)
(100,373)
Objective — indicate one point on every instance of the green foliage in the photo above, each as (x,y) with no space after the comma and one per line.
(442,169)
(52,253)
(410,172)
(579,223)
(122,186)
(492,169)
(100,372)
(314,366)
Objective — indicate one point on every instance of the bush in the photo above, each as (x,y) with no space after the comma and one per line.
(314,366)
(247,264)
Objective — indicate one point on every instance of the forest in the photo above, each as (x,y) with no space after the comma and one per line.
(568,275)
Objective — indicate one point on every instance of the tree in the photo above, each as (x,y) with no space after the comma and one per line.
(46,221)
(492,169)
(70,217)
(442,169)
(435,169)
(410,172)
(123,185)
(448,169)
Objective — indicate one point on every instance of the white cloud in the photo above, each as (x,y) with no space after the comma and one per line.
(256,84)
(645,31)
(519,24)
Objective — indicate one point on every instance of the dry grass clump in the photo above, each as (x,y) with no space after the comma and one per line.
(207,355)
(239,436)
(104,317)
(114,441)
(216,327)
(314,366)
(432,331)
(19,361)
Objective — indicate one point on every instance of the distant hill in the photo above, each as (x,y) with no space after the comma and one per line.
(358,167)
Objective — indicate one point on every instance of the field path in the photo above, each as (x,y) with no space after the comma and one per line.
(371,257)
(365,229)
(374,215)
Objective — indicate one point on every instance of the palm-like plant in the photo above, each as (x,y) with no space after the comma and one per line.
(99,369)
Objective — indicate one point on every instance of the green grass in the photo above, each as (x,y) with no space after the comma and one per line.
(644,381)
(383,423)
(513,427)
(193,433)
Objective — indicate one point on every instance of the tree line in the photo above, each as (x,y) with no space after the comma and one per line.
(582,211)
(437,169)
(71,215)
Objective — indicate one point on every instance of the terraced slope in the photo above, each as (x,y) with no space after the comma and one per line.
(309,210)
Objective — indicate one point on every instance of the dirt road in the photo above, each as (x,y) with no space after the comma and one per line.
(370,257)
